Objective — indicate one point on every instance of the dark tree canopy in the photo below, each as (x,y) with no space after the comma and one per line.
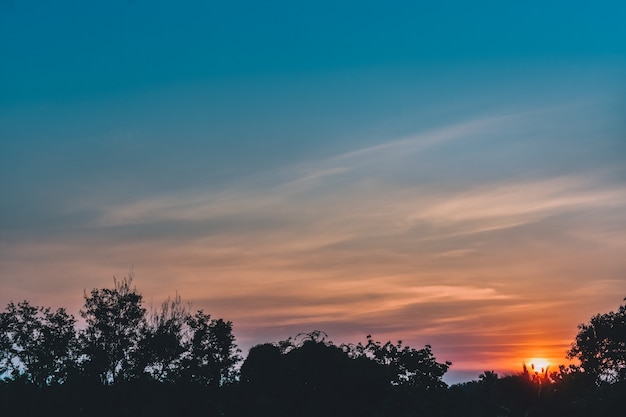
(162,347)
(123,342)
(211,351)
(600,346)
(115,318)
(406,365)
(309,375)
(36,343)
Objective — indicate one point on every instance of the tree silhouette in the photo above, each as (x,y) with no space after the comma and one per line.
(600,346)
(211,352)
(158,364)
(36,344)
(162,346)
(263,366)
(172,362)
(407,366)
(110,343)
(310,376)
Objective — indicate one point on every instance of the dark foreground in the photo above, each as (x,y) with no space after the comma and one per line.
(172,362)
(320,392)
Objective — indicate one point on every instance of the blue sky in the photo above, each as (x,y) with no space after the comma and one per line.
(406,169)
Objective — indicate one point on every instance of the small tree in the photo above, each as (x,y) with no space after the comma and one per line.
(36,344)
(600,346)
(115,321)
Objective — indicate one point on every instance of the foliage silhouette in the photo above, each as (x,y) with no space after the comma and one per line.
(309,375)
(406,366)
(115,320)
(162,347)
(596,387)
(36,344)
(211,351)
(600,346)
(313,377)
(128,361)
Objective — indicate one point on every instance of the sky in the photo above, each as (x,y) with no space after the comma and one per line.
(447,173)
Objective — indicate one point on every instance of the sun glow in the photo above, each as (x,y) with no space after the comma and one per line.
(538,364)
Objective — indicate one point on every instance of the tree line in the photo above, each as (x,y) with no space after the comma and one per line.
(121,342)
(171,361)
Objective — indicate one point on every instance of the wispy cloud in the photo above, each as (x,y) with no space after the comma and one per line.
(363,241)
(422,142)
(348,195)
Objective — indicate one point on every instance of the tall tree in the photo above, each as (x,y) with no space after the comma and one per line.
(115,321)
(36,343)
(600,346)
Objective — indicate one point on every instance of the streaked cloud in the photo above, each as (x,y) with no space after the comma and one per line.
(366,241)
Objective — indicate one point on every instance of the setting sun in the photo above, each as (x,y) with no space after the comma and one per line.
(538,364)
